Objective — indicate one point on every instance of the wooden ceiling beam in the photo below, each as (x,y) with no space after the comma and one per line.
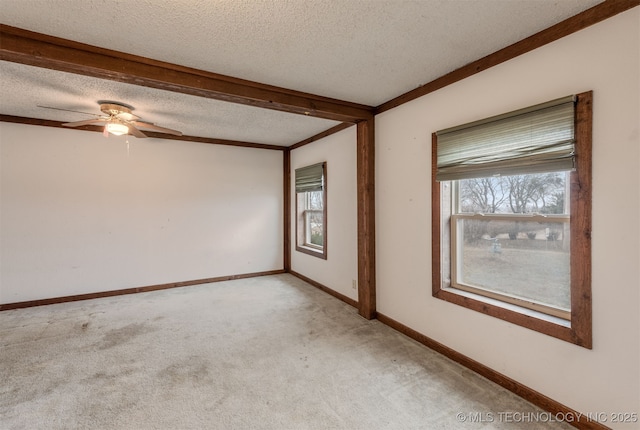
(100,129)
(36,49)
(321,135)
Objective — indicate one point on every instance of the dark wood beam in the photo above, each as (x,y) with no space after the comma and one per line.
(571,25)
(286,198)
(36,49)
(214,141)
(100,129)
(321,135)
(365,160)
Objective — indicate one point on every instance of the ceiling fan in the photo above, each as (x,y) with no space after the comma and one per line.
(118,120)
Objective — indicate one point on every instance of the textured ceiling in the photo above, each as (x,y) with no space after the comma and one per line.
(24,88)
(363,51)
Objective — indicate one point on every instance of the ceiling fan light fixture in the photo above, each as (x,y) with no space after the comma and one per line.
(119,120)
(117,128)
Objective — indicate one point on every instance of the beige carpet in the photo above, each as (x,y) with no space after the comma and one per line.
(262,353)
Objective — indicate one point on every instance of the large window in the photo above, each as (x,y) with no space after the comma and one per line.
(511,217)
(311,210)
(510,240)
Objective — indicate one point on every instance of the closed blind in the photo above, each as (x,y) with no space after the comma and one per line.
(310,178)
(532,140)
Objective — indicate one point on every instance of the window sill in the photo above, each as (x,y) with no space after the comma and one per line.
(533,320)
(510,307)
(320,253)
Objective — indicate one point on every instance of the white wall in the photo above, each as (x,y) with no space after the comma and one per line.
(79,214)
(340,268)
(603,58)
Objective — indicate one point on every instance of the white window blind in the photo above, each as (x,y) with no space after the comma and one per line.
(310,178)
(532,140)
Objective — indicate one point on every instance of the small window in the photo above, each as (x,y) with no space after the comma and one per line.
(311,210)
(512,217)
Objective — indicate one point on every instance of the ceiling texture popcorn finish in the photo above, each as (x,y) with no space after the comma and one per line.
(365,52)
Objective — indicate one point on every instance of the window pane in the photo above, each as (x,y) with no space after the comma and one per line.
(527,260)
(315,228)
(314,200)
(542,193)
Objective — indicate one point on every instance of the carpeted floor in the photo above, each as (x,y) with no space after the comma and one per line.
(261,353)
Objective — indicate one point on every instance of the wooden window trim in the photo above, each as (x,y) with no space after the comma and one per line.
(316,252)
(579,328)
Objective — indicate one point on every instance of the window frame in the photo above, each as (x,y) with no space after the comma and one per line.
(578,328)
(302,244)
(455,248)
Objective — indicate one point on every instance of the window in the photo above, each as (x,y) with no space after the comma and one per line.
(311,210)
(512,217)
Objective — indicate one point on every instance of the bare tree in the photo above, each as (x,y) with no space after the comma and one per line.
(541,193)
(480,195)
(530,193)
(484,195)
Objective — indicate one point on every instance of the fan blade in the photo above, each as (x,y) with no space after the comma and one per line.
(152,127)
(134,131)
(127,116)
(68,110)
(86,122)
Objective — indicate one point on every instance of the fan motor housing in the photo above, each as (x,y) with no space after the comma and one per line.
(114,108)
